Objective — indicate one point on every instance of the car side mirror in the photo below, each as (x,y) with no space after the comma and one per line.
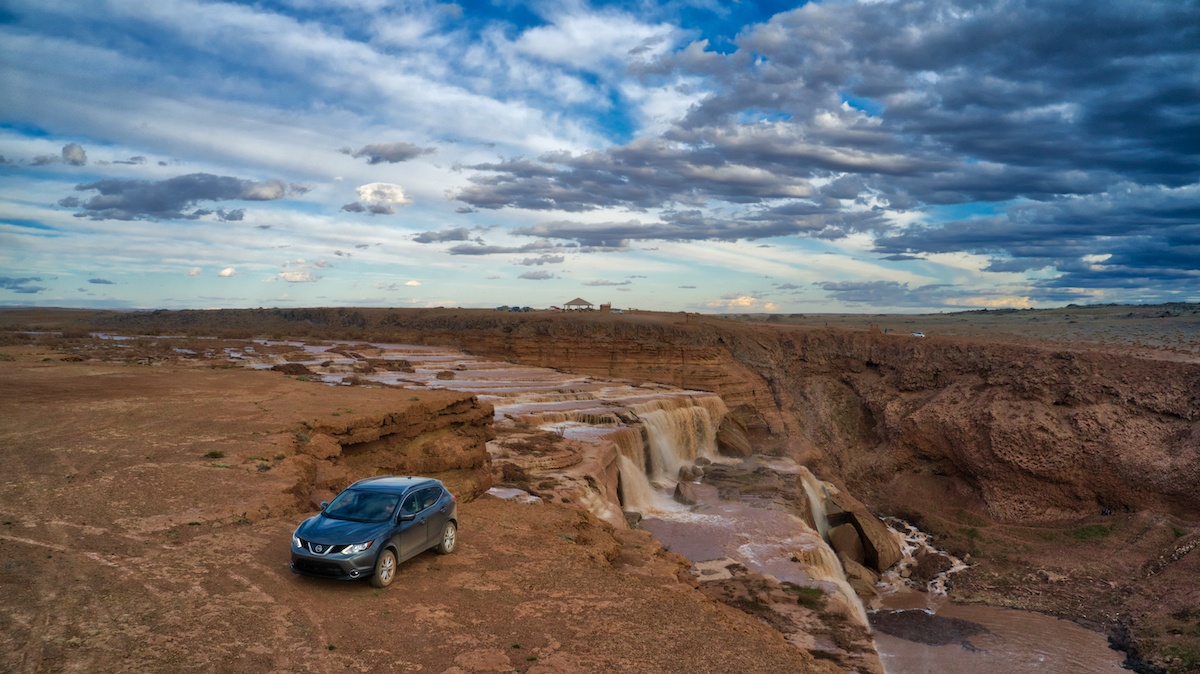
(324,505)
(407,517)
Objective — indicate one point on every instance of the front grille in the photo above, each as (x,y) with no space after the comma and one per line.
(325,549)
(318,567)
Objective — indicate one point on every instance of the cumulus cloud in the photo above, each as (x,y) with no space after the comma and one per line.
(391,153)
(169,199)
(22,285)
(537,275)
(227,272)
(298,276)
(742,303)
(412,284)
(383,193)
(73,154)
(194,271)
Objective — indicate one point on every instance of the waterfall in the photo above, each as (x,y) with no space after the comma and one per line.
(636,491)
(816,491)
(680,430)
(823,565)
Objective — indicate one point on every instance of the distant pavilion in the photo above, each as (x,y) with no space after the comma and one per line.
(578,304)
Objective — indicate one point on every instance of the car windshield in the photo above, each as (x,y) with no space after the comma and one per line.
(362,506)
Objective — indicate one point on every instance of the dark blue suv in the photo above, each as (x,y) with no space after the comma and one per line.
(373,526)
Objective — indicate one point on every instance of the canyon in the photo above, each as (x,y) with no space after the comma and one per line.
(1064,472)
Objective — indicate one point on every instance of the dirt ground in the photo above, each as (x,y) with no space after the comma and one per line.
(124,548)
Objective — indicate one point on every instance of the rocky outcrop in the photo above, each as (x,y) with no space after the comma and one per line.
(442,436)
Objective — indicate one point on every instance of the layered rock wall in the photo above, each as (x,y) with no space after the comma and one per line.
(1032,433)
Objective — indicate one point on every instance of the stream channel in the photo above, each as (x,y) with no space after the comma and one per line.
(658,430)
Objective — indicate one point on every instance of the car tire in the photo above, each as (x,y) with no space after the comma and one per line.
(385,569)
(449,539)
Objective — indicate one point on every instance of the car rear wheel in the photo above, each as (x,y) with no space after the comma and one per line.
(385,569)
(449,539)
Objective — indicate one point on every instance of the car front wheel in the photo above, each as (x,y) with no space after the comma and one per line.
(449,539)
(385,569)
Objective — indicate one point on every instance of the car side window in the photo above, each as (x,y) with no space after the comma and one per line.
(412,504)
(429,497)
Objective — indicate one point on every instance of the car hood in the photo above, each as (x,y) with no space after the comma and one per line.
(329,530)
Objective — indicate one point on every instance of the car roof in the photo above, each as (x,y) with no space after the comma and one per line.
(393,483)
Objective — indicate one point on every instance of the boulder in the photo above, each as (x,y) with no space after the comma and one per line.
(690,473)
(685,493)
(880,546)
(860,578)
(632,518)
(845,541)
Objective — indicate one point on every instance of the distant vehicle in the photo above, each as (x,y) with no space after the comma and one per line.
(918,334)
(375,525)
(618,311)
(502,308)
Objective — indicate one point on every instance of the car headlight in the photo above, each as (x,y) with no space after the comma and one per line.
(357,548)
(296,542)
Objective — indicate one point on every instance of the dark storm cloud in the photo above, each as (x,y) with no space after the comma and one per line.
(21,285)
(829,114)
(354,207)
(120,199)
(391,153)
(1132,231)
(100,281)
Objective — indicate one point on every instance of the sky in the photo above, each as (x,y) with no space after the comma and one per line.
(685,155)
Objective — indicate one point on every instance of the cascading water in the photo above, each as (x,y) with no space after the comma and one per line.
(816,491)
(636,491)
(679,431)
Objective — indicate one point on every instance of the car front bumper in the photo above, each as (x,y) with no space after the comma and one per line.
(336,566)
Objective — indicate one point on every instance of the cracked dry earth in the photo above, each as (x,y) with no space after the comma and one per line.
(123,549)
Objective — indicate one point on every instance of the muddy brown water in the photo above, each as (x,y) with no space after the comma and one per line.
(988,639)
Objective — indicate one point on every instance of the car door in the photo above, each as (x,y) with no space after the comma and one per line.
(413,527)
(438,509)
